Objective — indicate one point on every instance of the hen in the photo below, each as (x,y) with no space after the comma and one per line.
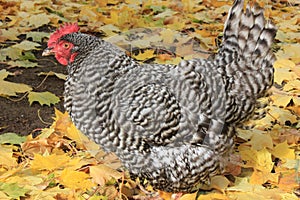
(170,124)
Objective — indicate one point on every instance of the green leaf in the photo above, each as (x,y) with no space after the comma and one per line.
(28,55)
(10,34)
(37,36)
(39,20)
(13,190)
(12,53)
(9,88)
(22,63)
(11,138)
(27,45)
(4,74)
(43,98)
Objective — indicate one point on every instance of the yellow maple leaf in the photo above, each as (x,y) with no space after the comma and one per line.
(210,196)
(283,151)
(75,180)
(283,71)
(290,51)
(260,160)
(166,195)
(243,185)
(281,100)
(50,162)
(64,126)
(147,54)
(188,196)
(62,121)
(103,173)
(6,158)
(292,85)
(81,140)
(259,177)
(281,115)
(260,140)
(264,160)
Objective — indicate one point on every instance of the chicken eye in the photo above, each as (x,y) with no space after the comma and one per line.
(66,45)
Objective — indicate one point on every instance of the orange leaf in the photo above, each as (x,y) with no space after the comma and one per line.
(259,177)
(288,181)
(62,121)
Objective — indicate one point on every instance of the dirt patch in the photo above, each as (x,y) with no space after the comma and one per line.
(18,116)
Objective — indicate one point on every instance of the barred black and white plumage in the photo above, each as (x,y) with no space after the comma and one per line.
(170,124)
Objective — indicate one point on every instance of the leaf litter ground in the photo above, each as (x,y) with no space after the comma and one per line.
(60,163)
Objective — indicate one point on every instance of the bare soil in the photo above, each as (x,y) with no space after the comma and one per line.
(17,115)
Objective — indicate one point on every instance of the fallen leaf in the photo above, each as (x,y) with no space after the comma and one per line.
(13,190)
(260,140)
(103,173)
(110,29)
(259,177)
(11,138)
(62,121)
(22,63)
(147,54)
(288,181)
(188,196)
(6,157)
(9,34)
(219,182)
(9,88)
(81,140)
(75,180)
(50,162)
(38,20)
(214,196)
(10,52)
(281,100)
(37,36)
(260,160)
(243,185)
(26,45)
(43,98)
(290,51)
(283,151)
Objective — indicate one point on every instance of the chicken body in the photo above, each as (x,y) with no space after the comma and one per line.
(171,124)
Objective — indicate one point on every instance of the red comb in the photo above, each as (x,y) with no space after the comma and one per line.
(63,30)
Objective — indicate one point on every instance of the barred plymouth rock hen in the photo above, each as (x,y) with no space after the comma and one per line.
(170,124)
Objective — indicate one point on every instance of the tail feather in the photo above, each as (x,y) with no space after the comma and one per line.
(231,30)
(254,27)
(247,37)
(246,57)
(247,34)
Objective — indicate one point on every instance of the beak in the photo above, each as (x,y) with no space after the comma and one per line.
(47,52)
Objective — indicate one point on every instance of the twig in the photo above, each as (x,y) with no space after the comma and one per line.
(42,81)
(39,116)
(20,99)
